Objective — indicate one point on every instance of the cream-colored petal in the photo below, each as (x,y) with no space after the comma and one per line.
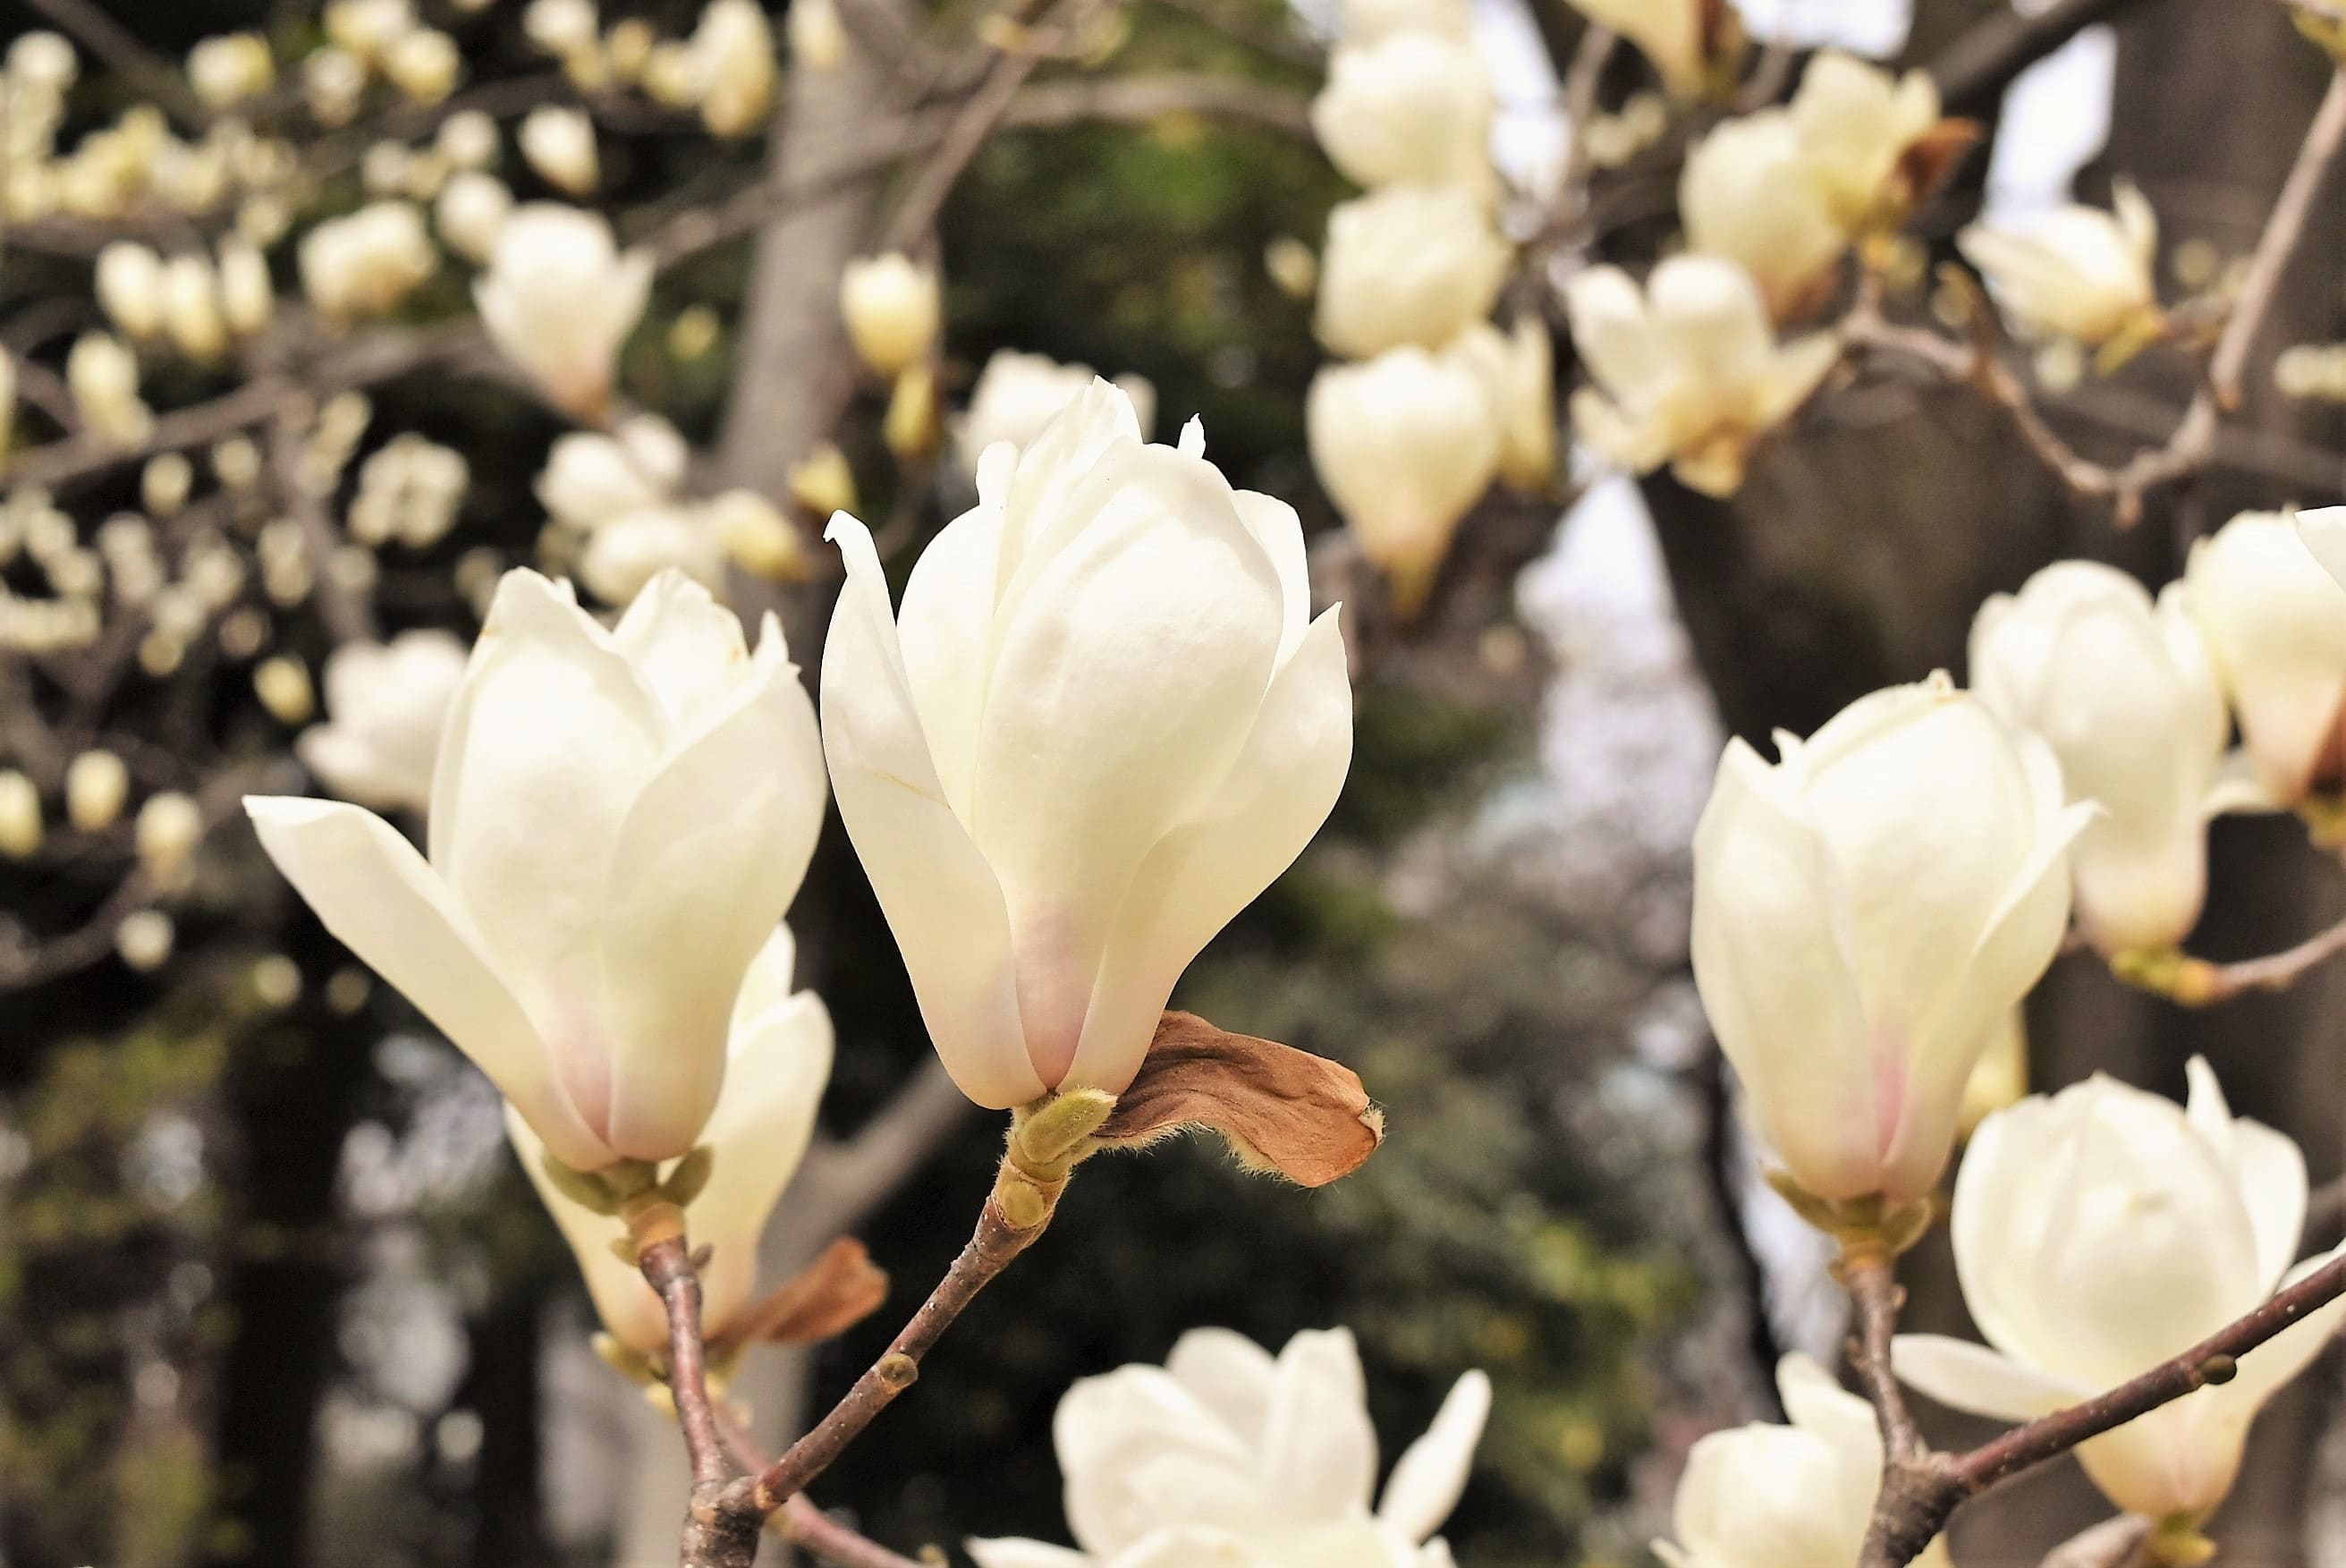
(1975,1380)
(1431,1475)
(1229,1374)
(1319,1451)
(945,627)
(1010,1552)
(941,898)
(375,894)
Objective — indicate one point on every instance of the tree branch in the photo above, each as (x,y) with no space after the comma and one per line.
(123,53)
(1972,71)
(1871,1279)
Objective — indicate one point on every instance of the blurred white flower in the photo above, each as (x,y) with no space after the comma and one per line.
(1411,107)
(98,784)
(333,82)
(467,139)
(893,306)
(45,60)
(777,1059)
(1404,444)
(191,308)
(1857,125)
(169,827)
(2080,273)
(228,69)
(1749,193)
(424,65)
(818,35)
(247,294)
(731,60)
(2124,695)
(618,819)
(1225,1456)
(386,706)
(559,144)
(1796,1496)
(1687,373)
(103,376)
(1676,36)
(2275,625)
(626,552)
(1102,723)
(128,282)
(368,262)
(1866,912)
(558,299)
(471,208)
(410,491)
(1518,372)
(1017,394)
(590,478)
(367,27)
(1407,264)
(2096,1234)
(560,27)
(1372,21)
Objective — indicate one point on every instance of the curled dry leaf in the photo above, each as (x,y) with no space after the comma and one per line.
(837,1290)
(1280,1109)
(1931,160)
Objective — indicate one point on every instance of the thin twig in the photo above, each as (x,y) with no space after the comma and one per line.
(975,121)
(1870,1278)
(1973,70)
(2275,972)
(126,56)
(667,1269)
(800,1522)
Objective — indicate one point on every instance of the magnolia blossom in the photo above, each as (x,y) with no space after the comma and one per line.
(1101,724)
(230,69)
(618,819)
(559,144)
(1518,372)
(818,36)
(367,263)
(893,306)
(386,706)
(1750,193)
(470,210)
(1017,394)
(1411,107)
(2101,1231)
(1225,1456)
(128,282)
(730,61)
(1797,1496)
(558,299)
(191,308)
(2081,273)
(1407,264)
(247,295)
(1866,910)
(1857,125)
(1371,20)
(778,1058)
(1676,36)
(2275,623)
(1404,444)
(590,478)
(1689,371)
(626,552)
(2123,694)
(102,373)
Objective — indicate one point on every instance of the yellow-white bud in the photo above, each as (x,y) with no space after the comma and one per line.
(245,294)
(467,139)
(169,826)
(893,306)
(818,36)
(424,65)
(559,28)
(191,313)
(97,786)
(472,207)
(282,683)
(144,940)
(20,816)
(559,144)
(103,376)
(164,482)
(128,282)
(334,81)
(227,70)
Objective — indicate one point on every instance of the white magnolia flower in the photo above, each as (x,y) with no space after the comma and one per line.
(1409,108)
(2081,273)
(1688,372)
(626,552)
(128,282)
(1102,722)
(1017,394)
(892,306)
(386,704)
(102,373)
(1372,21)
(1404,444)
(2123,694)
(424,64)
(247,295)
(191,308)
(818,35)
(1407,264)
(1225,1457)
(43,60)
(367,263)
(2096,1234)
(559,144)
(559,28)
(618,819)
(228,69)
(1518,372)
(590,478)
(2275,623)
(1673,34)
(367,27)
(1796,1496)
(1865,912)
(1750,193)
(1856,124)
(469,211)
(778,1058)
(559,297)
(730,59)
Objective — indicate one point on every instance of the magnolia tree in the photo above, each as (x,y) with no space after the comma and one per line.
(1103,715)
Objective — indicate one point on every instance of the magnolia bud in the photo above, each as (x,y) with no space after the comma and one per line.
(169,827)
(1749,194)
(192,312)
(1407,264)
(129,286)
(43,60)
(893,306)
(1293,267)
(559,28)
(732,61)
(910,428)
(227,70)
(20,816)
(1518,372)
(282,683)
(97,785)
(470,210)
(2275,625)
(818,37)
(2081,273)
(824,484)
(424,65)
(334,81)
(1409,108)
(145,938)
(245,294)
(164,482)
(559,144)
(757,537)
(1867,911)
(103,376)
(467,139)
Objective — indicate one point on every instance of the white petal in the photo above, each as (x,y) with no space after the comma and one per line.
(1140,1452)
(1319,1451)
(1277,793)
(764,1122)
(1014,1552)
(374,891)
(685,646)
(1229,1374)
(625,1303)
(1195,1548)
(941,898)
(1280,532)
(945,627)
(1974,1378)
(1427,1481)
(709,858)
(2267,1167)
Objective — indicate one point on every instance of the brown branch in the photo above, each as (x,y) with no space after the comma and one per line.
(667,1269)
(973,123)
(120,50)
(2276,972)
(1972,71)
(1872,1280)
(800,1522)
(1917,1496)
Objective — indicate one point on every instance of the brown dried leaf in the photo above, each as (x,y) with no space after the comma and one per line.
(832,1294)
(1280,1109)
(1930,159)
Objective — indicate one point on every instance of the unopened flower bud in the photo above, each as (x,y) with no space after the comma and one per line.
(129,286)
(424,65)
(97,785)
(282,683)
(164,482)
(169,829)
(824,484)
(893,306)
(20,816)
(144,940)
(559,144)
(192,312)
(227,70)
